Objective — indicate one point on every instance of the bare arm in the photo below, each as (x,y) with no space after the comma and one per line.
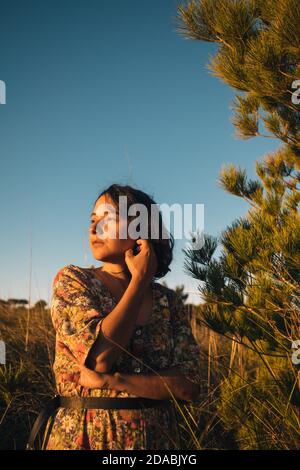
(118,326)
(167,383)
(162,384)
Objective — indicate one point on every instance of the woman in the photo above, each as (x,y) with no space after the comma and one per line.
(116,338)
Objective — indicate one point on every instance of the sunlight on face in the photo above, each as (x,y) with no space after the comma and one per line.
(106,226)
(106,218)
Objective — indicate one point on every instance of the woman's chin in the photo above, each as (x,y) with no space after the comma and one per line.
(98,250)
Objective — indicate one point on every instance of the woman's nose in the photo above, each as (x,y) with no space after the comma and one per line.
(93,228)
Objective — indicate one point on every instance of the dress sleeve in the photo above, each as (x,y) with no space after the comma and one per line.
(75,313)
(186,350)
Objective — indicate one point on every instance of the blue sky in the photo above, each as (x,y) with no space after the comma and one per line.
(99,93)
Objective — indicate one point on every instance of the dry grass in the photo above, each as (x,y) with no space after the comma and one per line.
(27,380)
(213,422)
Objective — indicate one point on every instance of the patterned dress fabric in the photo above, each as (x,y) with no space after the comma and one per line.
(79,303)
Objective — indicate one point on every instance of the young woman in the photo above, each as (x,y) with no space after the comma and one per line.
(125,358)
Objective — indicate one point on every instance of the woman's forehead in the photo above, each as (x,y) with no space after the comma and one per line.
(105,205)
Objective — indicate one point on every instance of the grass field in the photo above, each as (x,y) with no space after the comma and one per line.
(214,422)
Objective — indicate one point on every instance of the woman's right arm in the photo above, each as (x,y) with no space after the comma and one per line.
(117,327)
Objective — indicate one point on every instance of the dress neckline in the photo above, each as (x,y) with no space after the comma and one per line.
(114,300)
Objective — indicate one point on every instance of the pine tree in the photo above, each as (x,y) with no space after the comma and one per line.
(251,291)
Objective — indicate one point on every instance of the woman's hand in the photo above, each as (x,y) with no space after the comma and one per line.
(142,266)
(87,377)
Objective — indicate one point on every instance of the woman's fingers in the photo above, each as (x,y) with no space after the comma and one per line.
(144,243)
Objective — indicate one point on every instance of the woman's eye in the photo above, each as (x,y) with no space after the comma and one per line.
(106,218)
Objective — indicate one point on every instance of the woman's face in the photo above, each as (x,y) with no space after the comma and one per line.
(105,226)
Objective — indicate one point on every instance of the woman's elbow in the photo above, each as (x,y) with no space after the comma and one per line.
(98,363)
(102,366)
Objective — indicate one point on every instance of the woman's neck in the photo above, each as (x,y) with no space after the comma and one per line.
(118,270)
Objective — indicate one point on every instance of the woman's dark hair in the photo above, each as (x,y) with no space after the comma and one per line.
(163,247)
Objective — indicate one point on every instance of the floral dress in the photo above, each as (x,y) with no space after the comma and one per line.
(79,302)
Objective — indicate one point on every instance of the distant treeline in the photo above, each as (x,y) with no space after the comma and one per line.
(16,303)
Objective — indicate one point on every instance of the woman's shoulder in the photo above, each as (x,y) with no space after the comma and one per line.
(71,272)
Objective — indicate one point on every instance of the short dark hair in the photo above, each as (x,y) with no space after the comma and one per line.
(163,247)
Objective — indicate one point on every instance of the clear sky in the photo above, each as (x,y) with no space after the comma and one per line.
(98,93)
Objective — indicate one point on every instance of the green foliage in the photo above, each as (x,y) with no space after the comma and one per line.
(251,292)
(260,412)
(258,54)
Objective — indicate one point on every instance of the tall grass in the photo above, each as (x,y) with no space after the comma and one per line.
(26,379)
(222,418)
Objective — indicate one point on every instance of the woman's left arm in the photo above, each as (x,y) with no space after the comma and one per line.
(158,386)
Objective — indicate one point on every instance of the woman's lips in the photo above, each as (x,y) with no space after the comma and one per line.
(97,243)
